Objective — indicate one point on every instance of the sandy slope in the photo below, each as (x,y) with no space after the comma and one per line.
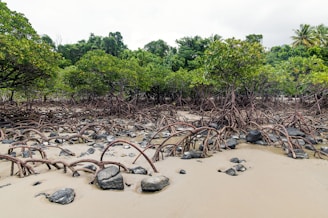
(273,186)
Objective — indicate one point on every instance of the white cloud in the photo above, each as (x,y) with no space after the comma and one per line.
(141,21)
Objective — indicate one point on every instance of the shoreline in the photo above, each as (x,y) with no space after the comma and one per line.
(272,186)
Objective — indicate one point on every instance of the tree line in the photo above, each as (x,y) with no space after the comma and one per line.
(238,70)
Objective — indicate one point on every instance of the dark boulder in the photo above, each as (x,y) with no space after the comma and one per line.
(324,149)
(110,178)
(231,143)
(154,183)
(253,136)
(295,132)
(299,154)
(8,141)
(261,142)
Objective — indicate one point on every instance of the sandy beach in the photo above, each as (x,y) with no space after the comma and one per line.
(273,185)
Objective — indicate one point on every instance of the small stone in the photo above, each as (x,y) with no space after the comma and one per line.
(132,154)
(192,154)
(231,143)
(138,170)
(91,151)
(236,160)
(240,168)
(132,134)
(91,167)
(182,172)
(36,183)
(53,134)
(110,138)
(126,146)
(231,172)
(63,196)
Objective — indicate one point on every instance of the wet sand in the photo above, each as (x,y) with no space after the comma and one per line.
(272,186)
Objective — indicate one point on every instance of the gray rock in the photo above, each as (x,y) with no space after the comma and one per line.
(97,145)
(110,138)
(240,168)
(231,143)
(65,152)
(261,142)
(99,137)
(182,172)
(13,154)
(213,125)
(7,141)
(324,149)
(309,147)
(166,134)
(301,142)
(143,143)
(91,167)
(62,196)
(299,154)
(91,151)
(154,183)
(110,178)
(295,132)
(27,153)
(192,154)
(273,137)
(53,134)
(132,154)
(139,170)
(236,160)
(132,134)
(253,136)
(231,172)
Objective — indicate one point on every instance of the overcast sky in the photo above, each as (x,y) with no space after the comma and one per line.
(143,21)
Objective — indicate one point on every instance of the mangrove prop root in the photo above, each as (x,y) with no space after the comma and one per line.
(133,145)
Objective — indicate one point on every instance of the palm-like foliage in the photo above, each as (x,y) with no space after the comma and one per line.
(321,35)
(304,36)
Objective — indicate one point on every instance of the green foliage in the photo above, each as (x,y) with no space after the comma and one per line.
(159,48)
(252,38)
(111,44)
(297,74)
(25,59)
(190,48)
(304,36)
(104,65)
(15,24)
(310,36)
(232,61)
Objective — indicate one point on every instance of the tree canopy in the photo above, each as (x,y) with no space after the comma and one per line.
(24,56)
(103,65)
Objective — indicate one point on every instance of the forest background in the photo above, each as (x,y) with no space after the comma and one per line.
(205,72)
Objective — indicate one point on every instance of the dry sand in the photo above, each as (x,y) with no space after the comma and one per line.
(273,186)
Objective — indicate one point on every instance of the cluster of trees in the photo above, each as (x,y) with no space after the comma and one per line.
(198,67)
